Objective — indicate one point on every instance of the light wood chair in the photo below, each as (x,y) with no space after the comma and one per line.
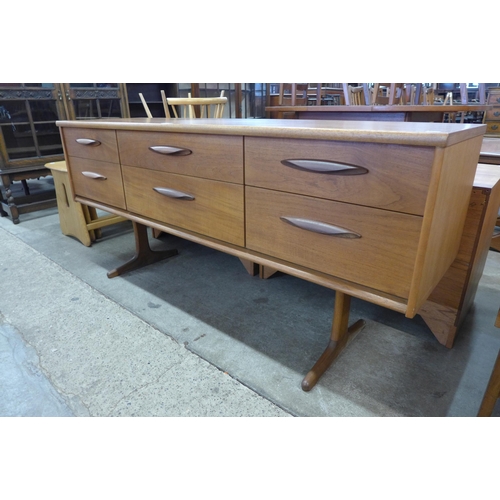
(293,94)
(206,107)
(388,93)
(358,95)
(80,221)
(378,94)
(189,107)
(492,392)
(429,95)
(420,94)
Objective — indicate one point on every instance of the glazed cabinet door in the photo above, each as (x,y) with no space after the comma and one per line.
(88,101)
(29,111)
(28,133)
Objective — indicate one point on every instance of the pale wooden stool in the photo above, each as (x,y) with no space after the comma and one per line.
(80,221)
(492,392)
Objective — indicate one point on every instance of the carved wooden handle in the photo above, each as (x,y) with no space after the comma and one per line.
(88,142)
(173,193)
(94,175)
(320,227)
(325,167)
(170,150)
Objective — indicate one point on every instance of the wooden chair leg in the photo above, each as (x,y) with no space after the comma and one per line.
(143,253)
(341,334)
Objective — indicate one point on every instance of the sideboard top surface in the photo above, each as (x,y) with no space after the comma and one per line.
(412,133)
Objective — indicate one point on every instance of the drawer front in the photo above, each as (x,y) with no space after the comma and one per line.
(493,114)
(93,144)
(494,98)
(207,156)
(97,180)
(382,257)
(392,177)
(215,210)
(492,127)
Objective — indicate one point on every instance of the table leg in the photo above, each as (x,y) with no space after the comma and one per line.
(341,334)
(143,253)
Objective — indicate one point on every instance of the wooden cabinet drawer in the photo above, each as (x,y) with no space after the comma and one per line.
(493,114)
(215,210)
(494,98)
(493,127)
(382,258)
(393,177)
(207,156)
(97,180)
(90,143)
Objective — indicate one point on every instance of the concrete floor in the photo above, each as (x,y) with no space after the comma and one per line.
(197,336)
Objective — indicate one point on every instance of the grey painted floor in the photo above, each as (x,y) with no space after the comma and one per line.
(197,336)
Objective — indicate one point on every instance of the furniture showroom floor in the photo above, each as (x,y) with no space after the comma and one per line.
(196,335)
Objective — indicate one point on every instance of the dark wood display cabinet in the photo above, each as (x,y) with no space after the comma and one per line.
(29,138)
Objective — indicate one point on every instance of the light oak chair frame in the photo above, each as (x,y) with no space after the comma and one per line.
(357,95)
(190,107)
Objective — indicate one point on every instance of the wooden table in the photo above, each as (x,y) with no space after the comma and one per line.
(372,210)
(408,113)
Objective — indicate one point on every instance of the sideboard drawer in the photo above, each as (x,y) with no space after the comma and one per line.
(207,207)
(91,143)
(207,156)
(383,257)
(98,180)
(393,177)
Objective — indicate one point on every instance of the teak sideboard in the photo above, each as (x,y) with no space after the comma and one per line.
(373,210)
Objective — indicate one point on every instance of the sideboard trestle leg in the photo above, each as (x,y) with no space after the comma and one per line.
(143,253)
(341,334)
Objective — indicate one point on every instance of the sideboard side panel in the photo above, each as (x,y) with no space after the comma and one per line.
(444,217)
